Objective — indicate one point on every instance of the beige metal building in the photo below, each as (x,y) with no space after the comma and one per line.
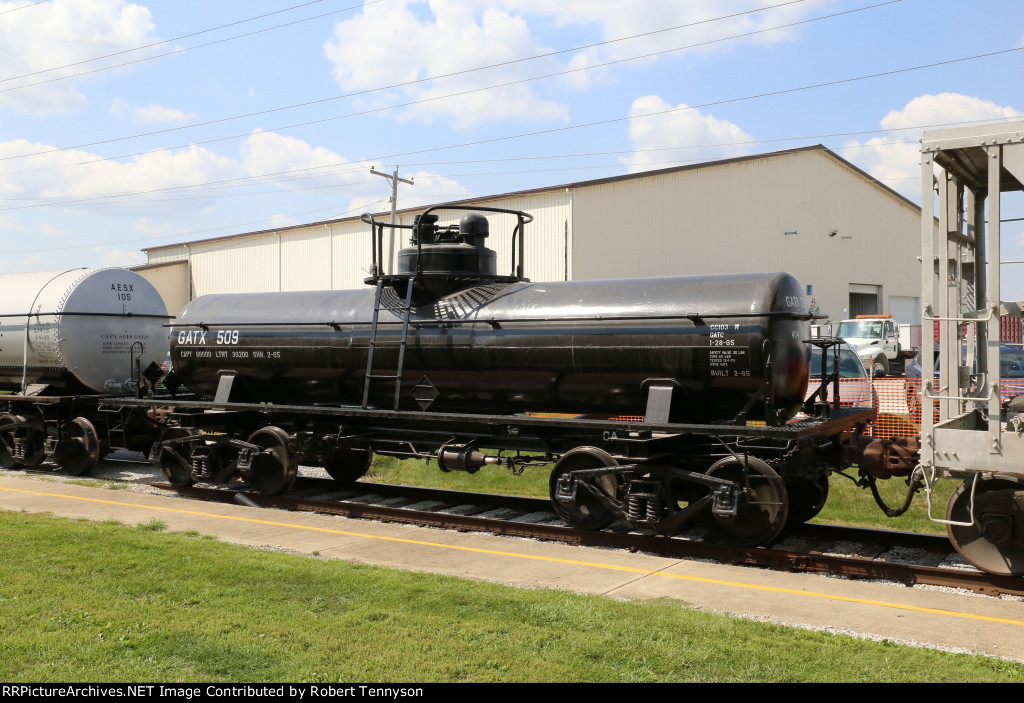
(851,240)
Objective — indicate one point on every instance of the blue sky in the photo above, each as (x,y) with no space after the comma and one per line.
(187,129)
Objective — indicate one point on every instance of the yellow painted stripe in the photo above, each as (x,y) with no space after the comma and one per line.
(555,560)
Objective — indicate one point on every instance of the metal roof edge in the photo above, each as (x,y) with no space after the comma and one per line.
(575,184)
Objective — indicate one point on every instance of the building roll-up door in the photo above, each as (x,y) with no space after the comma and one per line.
(905,310)
(864,300)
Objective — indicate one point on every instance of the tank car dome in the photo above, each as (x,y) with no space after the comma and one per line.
(441,253)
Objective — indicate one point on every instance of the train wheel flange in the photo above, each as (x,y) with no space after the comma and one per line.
(762,507)
(993,542)
(175,470)
(80,452)
(7,442)
(272,471)
(807,497)
(347,466)
(586,511)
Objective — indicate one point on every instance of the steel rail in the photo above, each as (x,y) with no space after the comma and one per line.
(777,556)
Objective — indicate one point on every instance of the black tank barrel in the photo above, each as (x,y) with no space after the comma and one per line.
(584,347)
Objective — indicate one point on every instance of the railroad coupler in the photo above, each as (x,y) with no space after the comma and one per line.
(885,458)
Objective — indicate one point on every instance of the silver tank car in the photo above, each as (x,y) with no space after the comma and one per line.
(584,347)
(78,331)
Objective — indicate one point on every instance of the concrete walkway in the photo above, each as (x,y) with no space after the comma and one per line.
(952,620)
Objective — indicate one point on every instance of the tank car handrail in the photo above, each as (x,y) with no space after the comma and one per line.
(693,317)
(474,208)
(377,240)
(86,314)
(373,223)
(524,218)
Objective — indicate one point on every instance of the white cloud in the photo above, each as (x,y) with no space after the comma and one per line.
(300,167)
(155,229)
(680,130)
(149,114)
(117,257)
(288,157)
(61,33)
(409,40)
(622,19)
(943,109)
(281,221)
(157,114)
(35,262)
(42,176)
(428,188)
(459,34)
(894,158)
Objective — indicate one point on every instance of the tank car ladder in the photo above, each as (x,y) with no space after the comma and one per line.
(401,343)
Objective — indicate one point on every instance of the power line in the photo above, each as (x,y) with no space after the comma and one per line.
(250,180)
(597,123)
(455,73)
(150,46)
(208,141)
(580,126)
(188,234)
(94,200)
(461,196)
(31,4)
(171,53)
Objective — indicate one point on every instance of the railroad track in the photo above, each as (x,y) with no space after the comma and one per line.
(855,553)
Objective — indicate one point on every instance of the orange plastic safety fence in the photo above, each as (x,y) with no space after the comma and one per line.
(898,406)
(897,401)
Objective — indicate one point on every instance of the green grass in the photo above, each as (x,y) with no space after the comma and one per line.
(490,479)
(852,506)
(102,602)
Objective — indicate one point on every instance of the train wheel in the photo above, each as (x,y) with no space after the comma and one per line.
(274,470)
(36,444)
(587,512)
(347,466)
(807,497)
(7,461)
(176,471)
(83,453)
(762,508)
(993,542)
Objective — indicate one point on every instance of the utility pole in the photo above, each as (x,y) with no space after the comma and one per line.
(394,179)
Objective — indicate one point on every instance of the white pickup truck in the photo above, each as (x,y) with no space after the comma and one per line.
(881,344)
